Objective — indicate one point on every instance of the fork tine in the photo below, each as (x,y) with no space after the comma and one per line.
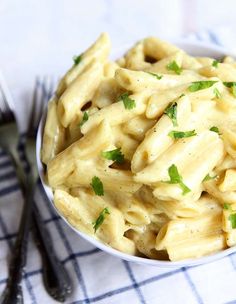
(6,112)
(43,89)
(47,91)
(6,92)
(33,112)
(50,87)
(6,103)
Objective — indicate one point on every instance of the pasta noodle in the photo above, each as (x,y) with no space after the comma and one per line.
(141,152)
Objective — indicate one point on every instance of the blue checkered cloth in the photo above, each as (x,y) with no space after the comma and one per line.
(98,277)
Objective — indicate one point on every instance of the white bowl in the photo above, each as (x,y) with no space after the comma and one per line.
(196,49)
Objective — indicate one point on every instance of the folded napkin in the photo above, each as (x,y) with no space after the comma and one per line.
(98,277)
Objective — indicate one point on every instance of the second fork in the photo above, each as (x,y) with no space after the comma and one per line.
(56,280)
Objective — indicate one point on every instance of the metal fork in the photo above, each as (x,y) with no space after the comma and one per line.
(56,279)
(53,270)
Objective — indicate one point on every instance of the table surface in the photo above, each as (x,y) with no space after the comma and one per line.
(41,37)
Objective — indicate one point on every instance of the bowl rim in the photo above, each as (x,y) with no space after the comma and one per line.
(187,45)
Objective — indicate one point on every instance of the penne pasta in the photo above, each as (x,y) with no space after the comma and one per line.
(78,93)
(54,134)
(98,51)
(140,152)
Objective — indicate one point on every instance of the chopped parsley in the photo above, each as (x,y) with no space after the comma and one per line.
(217,93)
(208,177)
(232,216)
(234,90)
(215,129)
(171,112)
(115,155)
(84,119)
(232,219)
(97,186)
(227,206)
(155,75)
(176,178)
(181,134)
(173,66)
(100,219)
(229,84)
(201,85)
(232,85)
(127,101)
(77,59)
(215,63)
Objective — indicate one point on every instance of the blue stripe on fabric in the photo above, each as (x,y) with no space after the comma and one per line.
(9,189)
(4,228)
(29,274)
(2,153)
(136,286)
(30,288)
(81,254)
(113,292)
(7,236)
(192,286)
(68,259)
(13,235)
(159,277)
(68,248)
(12,172)
(8,175)
(213,37)
(126,288)
(6,164)
(231,302)
(3,281)
(106,295)
(52,219)
(27,281)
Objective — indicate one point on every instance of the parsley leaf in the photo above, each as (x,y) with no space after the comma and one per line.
(115,155)
(128,102)
(155,75)
(77,59)
(181,134)
(232,219)
(215,129)
(229,84)
(171,112)
(201,85)
(100,219)
(234,90)
(176,178)
(84,119)
(215,63)
(173,66)
(232,85)
(217,93)
(97,186)
(208,177)
(227,206)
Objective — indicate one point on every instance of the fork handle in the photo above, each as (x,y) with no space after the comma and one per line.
(13,291)
(56,279)
(20,173)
